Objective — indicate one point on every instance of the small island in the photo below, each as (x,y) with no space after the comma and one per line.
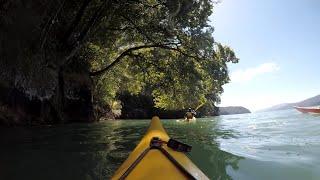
(233,110)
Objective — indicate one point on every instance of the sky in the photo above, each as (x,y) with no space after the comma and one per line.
(278,44)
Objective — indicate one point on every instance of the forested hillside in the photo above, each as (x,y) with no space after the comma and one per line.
(312,101)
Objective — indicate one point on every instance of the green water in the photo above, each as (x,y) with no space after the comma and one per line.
(272,145)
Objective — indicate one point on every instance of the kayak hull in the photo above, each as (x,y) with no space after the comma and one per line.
(155,165)
(314,110)
(191,119)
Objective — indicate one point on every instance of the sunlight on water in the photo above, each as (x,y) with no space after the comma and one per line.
(276,145)
(270,145)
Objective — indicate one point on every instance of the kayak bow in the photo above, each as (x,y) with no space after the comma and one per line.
(153,160)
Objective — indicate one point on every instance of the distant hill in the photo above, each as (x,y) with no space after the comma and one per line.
(233,110)
(313,101)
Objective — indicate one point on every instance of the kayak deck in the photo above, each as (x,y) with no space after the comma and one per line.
(155,164)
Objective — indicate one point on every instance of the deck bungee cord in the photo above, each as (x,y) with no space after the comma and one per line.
(156,144)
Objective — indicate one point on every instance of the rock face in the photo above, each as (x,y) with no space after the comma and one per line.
(232,110)
(17,108)
(38,83)
(313,101)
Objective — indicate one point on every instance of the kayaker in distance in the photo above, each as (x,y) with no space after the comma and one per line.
(190,114)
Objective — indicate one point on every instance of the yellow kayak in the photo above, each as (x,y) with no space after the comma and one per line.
(153,159)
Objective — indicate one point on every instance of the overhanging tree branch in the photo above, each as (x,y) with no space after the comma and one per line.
(84,34)
(130,50)
(77,19)
(48,26)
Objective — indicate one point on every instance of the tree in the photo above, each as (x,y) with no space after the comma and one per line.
(170,50)
(63,52)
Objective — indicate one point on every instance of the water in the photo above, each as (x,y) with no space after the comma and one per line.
(271,145)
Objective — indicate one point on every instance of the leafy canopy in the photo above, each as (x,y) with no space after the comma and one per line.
(160,48)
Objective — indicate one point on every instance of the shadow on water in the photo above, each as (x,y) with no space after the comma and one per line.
(95,151)
(77,151)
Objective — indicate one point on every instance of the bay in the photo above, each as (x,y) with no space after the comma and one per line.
(269,145)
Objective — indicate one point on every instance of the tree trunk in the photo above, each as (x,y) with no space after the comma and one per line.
(60,98)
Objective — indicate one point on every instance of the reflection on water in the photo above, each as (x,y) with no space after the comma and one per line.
(77,151)
(278,145)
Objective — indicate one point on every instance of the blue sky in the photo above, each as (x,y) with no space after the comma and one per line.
(278,43)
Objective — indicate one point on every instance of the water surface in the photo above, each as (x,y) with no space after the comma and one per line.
(270,145)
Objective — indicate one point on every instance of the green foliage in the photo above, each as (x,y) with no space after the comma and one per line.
(120,78)
(163,49)
(159,48)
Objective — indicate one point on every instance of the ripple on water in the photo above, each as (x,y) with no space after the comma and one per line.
(272,145)
(285,137)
